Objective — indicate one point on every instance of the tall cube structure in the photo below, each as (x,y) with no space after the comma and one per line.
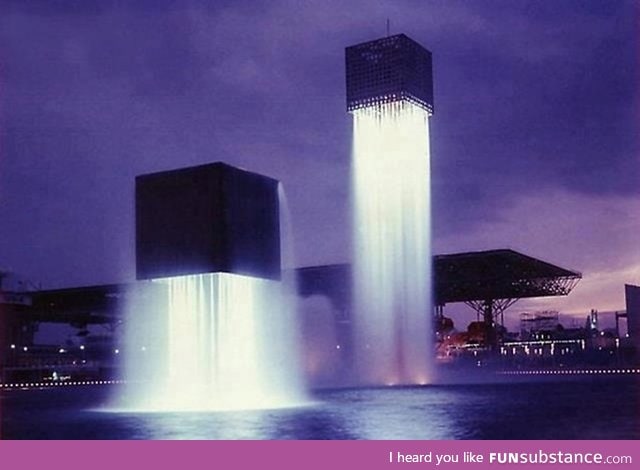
(395,68)
(390,96)
(206,219)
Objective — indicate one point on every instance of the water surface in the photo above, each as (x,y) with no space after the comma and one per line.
(563,410)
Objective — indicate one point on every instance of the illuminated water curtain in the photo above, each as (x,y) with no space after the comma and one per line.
(229,345)
(216,322)
(389,93)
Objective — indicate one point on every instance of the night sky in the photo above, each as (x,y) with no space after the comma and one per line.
(534,139)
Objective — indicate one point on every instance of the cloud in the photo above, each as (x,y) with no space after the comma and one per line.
(530,100)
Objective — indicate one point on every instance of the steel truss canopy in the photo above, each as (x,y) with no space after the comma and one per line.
(488,281)
(482,276)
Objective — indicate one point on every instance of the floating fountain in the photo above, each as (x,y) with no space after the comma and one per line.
(213,325)
(389,93)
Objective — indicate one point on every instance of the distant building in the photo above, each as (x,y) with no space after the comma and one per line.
(632,296)
(592,322)
(533,325)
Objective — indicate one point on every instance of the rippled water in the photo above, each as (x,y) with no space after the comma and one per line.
(584,410)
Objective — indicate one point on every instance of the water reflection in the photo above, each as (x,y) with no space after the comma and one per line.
(312,422)
(508,411)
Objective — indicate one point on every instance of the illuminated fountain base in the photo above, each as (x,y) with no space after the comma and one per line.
(226,342)
(392,274)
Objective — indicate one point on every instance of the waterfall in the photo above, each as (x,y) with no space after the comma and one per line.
(392,260)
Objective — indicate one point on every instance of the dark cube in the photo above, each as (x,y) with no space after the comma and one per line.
(204,219)
(390,69)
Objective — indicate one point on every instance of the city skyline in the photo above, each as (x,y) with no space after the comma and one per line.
(534,143)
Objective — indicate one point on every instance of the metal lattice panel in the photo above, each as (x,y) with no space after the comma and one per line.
(394,68)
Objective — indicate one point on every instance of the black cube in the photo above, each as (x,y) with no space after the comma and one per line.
(390,69)
(206,219)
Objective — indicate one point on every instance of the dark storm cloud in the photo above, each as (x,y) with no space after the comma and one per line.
(531,97)
(540,95)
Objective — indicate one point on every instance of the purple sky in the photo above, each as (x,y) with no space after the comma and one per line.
(534,139)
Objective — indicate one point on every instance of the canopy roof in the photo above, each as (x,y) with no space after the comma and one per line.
(498,274)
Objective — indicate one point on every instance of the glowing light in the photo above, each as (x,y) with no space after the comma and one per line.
(82,347)
(25,349)
(13,346)
(422,380)
(228,344)
(391,172)
(116,351)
